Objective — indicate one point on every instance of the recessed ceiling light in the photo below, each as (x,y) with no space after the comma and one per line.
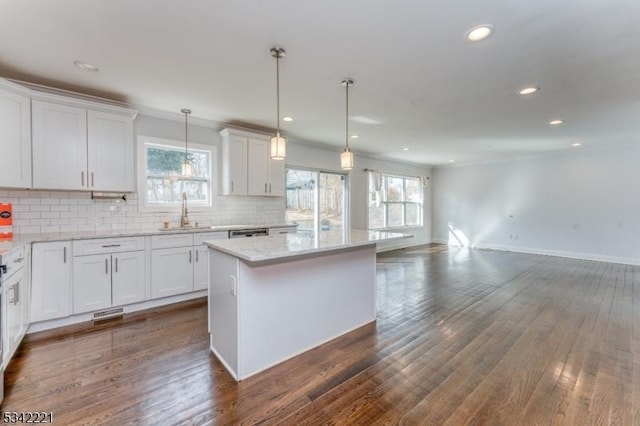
(556,122)
(528,90)
(354,136)
(480,32)
(287,118)
(576,144)
(405,149)
(85,66)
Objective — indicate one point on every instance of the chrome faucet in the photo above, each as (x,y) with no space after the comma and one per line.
(184,218)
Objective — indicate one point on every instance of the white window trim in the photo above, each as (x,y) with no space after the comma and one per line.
(142,176)
(400,227)
(346,208)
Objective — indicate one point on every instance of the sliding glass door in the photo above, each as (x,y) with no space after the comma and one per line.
(316,200)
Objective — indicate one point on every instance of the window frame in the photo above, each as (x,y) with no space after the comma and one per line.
(346,204)
(141,174)
(386,203)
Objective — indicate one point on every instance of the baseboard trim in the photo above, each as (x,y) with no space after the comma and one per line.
(544,252)
(87,318)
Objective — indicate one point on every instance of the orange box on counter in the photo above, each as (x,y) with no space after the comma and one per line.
(6,221)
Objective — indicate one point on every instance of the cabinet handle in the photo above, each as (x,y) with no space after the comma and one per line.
(64,255)
(269,188)
(106,266)
(265,188)
(197,256)
(231,186)
(91,178)
(116,265)
(17,290)
(82,177)
(110,245)
(190,256)
(15,299)
(18,260)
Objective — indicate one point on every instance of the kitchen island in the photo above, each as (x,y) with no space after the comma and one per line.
(272,298)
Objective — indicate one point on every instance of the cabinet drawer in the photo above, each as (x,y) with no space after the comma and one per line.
(204,236)
(107,245)
(14,260)
(173,240)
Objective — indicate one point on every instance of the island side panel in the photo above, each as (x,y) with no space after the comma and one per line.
(223,309)
(290,307)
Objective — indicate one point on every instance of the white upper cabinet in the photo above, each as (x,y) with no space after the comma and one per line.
(258,166)
(80,147)
(15,135)
(246,166)
(59,146)
(234,164)
(110,142)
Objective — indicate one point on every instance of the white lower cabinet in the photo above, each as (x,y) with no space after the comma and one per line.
(91,283)
(180,263)
(201,265)
(51,281)
(108,272)
(104,280)
(201,268)
(128,281)
(171,271)
(15,302)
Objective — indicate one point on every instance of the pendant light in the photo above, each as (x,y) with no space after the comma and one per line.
(187,167)
(278,142)
(346,157)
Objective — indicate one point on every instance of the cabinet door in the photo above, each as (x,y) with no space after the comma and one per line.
(257,167)
(15,134)
(91,283)
(276,178)
(110,149)
(13,319)
(25,295)
(51,281)
(171,271)
(201,268)
(59,146)
(128,282)
(235,165)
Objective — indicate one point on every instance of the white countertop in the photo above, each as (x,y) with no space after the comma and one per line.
(282,247)
(20,240)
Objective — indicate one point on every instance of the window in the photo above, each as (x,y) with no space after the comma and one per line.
(316,200)
(397,202)
(161,183)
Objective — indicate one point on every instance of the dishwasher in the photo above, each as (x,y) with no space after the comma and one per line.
(253,232)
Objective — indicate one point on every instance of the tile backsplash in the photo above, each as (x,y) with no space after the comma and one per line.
(36,212)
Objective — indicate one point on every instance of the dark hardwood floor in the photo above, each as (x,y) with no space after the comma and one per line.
(462,337)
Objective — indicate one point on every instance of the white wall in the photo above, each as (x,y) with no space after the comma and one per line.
(581,203)
(304,155)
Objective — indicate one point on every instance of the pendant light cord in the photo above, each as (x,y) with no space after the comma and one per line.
(186,139)
(347,117)
(278,95)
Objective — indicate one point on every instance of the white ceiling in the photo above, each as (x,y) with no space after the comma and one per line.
(416,75)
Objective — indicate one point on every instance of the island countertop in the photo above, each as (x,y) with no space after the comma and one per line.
(282,247)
